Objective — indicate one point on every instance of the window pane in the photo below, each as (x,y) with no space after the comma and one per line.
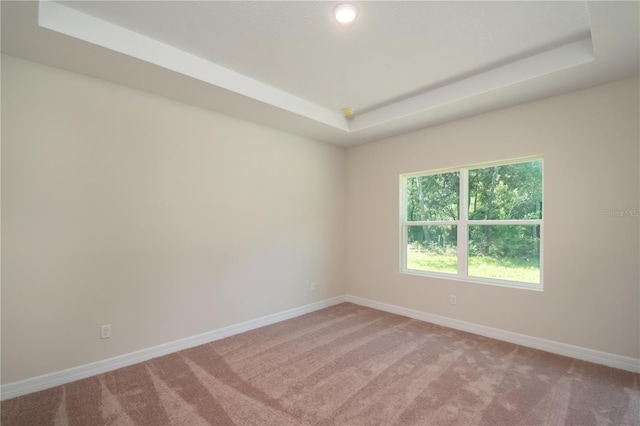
(505,252)
(432,248)
(510,191)
(433,197)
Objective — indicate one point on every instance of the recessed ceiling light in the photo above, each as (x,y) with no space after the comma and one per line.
(345,13)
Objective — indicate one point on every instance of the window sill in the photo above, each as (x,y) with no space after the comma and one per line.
(475,280)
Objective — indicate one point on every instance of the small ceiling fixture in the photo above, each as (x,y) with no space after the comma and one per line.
(345,13)
(348,112)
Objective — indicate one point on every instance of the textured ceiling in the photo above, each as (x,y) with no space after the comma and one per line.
(401,65)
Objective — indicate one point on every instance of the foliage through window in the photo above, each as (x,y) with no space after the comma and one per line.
(479,223)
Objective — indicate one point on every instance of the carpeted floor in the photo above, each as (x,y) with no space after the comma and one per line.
(344,365)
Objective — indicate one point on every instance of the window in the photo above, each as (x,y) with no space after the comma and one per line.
(477,223)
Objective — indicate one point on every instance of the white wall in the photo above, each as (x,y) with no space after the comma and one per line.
(165,220)
(161,219)
(590,143)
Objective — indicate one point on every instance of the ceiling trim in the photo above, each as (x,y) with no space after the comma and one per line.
(79,25)
(70,22)
(552,60)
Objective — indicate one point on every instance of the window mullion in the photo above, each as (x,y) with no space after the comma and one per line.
(431,222)
(505,222)
(463,233)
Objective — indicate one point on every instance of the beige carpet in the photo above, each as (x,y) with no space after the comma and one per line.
(344,365)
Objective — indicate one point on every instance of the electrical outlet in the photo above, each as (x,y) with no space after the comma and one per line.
(452,299)
(312,287)
(105,331)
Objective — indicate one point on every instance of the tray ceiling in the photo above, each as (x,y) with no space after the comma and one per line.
(290,65)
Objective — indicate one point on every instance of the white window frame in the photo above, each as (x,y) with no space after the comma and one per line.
(463,224)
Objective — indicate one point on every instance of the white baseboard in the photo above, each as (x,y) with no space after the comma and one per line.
(34,384)
(597,357)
